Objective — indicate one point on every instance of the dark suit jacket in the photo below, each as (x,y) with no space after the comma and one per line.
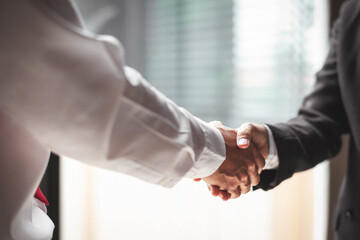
(330,110)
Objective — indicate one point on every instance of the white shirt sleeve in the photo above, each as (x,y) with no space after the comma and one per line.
(205,166)
(272,161)
(72,90)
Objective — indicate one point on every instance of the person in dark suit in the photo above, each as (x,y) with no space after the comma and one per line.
(329,111)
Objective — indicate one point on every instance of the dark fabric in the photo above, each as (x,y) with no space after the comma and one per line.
(330,110)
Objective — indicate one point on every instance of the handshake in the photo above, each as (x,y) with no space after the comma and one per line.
(246,150)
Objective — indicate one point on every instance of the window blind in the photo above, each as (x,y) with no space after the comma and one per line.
(234,60)
(189,53)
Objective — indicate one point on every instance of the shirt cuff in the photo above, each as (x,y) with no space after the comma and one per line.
(272,161)
(213,154)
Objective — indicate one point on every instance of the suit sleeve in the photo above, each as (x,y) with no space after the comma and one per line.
(315,134)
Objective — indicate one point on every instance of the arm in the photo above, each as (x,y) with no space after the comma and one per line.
(314,135)
(70,89)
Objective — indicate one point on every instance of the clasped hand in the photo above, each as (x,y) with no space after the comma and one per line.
(246,151)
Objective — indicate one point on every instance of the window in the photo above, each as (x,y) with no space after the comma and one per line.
(189,54)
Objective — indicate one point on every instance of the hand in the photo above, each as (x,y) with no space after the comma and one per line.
(248,135)
(239,171)
(253,134)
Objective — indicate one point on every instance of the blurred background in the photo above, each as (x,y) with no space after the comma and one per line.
(230,60)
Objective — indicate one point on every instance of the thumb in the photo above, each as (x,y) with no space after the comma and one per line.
(244,135)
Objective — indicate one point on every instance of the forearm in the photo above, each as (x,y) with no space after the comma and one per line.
(299,146)
(172,141)
(72,92)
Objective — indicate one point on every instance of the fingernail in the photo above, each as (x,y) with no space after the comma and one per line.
(243,141)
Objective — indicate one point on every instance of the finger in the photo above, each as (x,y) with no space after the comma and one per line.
(197,179)
(224,195)
(254,177)
(243,142)
(232,183)
(252,170)
(244,134)
(215,191)
(258,159)
(235,193)
(244,181)
(245,187)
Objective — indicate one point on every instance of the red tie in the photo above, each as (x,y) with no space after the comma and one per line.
(40,196)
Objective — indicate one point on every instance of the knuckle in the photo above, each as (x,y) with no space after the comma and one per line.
(255,180)
(251,166)
(231,186)
(245,127)
(233,183)
(244,178)
(235,194)
(245,190)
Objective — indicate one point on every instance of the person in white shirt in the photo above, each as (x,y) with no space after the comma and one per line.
(67,90)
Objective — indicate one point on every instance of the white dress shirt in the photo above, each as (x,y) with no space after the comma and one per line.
(69,91)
